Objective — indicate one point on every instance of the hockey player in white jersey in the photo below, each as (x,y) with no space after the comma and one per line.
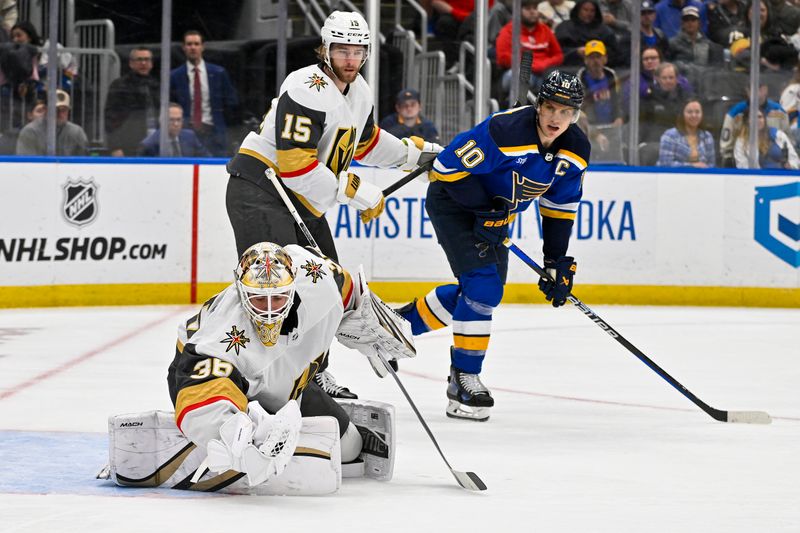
(242,378)
(319,122)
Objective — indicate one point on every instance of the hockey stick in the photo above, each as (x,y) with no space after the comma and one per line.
(743,417)
(468,480)
(525,65)
(408,177)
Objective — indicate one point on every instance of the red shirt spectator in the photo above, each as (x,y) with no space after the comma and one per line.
(534,35)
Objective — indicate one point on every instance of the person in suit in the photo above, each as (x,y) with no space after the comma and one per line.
(182,142)
(206,93)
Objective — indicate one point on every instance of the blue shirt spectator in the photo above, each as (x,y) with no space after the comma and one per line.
(668,15)
(407,120)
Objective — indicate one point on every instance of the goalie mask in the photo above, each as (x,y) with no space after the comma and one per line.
(265,280)
(345,27)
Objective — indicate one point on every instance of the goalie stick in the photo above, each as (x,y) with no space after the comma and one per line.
(468,480)
(743,417)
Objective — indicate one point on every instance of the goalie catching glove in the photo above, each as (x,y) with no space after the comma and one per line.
(372,326)
(360,194)
(257,443)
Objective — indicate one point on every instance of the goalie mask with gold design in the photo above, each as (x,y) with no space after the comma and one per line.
(265,280)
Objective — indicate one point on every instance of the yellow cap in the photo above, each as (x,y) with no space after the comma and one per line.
(738,45)
(595,47)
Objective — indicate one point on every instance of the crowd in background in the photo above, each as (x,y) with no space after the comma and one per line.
(693,86)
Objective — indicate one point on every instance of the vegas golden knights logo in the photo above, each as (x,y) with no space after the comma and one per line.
(343,149)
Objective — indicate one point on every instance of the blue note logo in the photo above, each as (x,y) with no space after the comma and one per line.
(777,221)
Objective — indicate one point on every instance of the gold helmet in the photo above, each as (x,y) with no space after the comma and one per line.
(265,279)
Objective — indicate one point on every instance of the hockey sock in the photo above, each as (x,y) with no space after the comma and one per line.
(435,311)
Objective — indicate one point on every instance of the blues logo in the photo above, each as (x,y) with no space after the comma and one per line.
(777,224)
(80,202)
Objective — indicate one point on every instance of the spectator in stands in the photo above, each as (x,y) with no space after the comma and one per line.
(132,105)
(183,142)
(777,51)
(690,49)
(790,102)
(8,138)
(658,110)
(775,150)
(669,12)
(652,36)
(499,15)
(726,21)
(448,15)
(70,138)
(207,96)
(687,145)
(19,62)
(734,121)
(785,15)
(651,59)
(407,119)
(24,32)
(535,36)
(8,15)
(585,24)
(554,12)
(617,15)
(601,102)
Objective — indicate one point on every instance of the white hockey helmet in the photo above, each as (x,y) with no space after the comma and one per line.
(265,280)
(345,27)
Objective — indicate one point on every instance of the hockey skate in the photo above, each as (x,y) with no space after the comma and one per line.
(469,398)
(327,382)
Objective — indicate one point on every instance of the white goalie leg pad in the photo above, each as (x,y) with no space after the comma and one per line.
(372,325)
(375,423)
(148,450)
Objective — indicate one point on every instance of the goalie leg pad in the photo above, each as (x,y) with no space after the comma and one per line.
(375,423)
(148,450)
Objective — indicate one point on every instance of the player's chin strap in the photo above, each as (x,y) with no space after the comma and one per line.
(372,325)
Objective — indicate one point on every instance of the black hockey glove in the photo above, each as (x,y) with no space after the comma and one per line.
(491,226)
(558,288)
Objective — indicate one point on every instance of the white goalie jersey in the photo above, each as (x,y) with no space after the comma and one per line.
(313,131)
(220,364)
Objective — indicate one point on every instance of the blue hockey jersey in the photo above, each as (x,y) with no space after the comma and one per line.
(501,163)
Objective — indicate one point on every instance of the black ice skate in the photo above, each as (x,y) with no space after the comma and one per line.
(328,383)
(469,398)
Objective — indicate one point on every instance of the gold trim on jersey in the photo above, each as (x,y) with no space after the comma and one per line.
(347,286)
(573,157)
(305,378)
(253,153)
(196,396)
(308,205)
(342,150)
(162,473)
(545,212)
(520,150)
(296,161)
(366,146)
(438,176)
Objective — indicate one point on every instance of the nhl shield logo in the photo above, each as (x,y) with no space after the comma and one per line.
(777,227)
(80,202)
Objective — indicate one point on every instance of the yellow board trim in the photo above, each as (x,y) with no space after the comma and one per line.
(402,291)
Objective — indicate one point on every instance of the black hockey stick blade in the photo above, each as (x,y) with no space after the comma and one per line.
(737,417)
(469,480)
(525,65)
(408,177)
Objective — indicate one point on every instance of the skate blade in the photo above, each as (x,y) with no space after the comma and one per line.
(466,412)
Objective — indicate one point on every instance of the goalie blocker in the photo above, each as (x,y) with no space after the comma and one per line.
(147,450)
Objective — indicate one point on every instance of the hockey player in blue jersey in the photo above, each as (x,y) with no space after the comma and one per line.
(478,184)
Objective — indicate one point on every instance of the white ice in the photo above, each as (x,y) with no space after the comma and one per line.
(583,437)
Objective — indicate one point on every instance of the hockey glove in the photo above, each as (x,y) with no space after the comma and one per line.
(491,226)
(360,194)
(561,272)
(420,152)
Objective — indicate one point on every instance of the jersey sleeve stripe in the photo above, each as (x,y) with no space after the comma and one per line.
(366,146)
(573,158)
(260,157)
(216,390)
(296,161)
(552,213)
(347,289)
(519,150)
(438,176)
